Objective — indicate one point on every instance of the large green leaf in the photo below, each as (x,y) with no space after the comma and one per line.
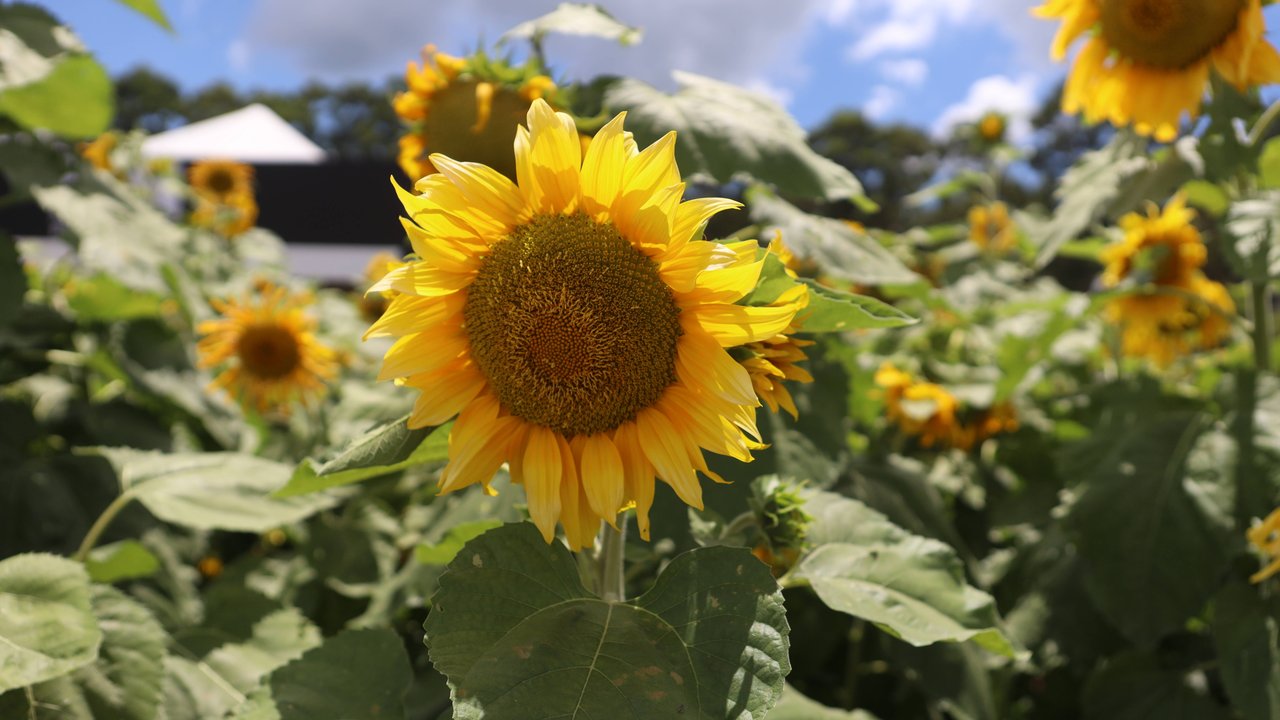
(355,674)
(794,706)
(124,560)
(1246,632)
(725,131)
(911,587)
(1137,687)
(1152,523)
(151,9)
(839,251)
(277,639)
(381,451)
(211,491)
(832,310)
(75,99)
(518,636)
(576,19)
(47,626)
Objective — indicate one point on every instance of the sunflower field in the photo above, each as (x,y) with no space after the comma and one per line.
(651,420)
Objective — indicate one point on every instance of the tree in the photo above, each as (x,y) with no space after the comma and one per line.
(147,100)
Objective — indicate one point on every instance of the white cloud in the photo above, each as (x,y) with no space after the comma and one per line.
(1016,98)
(340,39)
(238,55)
(779,94)
(883,100)
(894,35)
(911,71)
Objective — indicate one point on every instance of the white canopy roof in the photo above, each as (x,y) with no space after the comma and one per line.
(253,134)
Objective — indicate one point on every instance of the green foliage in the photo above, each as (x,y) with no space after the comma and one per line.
(46,619)
(726,131)
(709,640)
(1245,633)
(47,81)
(575,19)
(381,451)
(124,560)
(151,10)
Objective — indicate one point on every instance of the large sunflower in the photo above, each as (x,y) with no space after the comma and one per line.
(266,340)
(453,110)
(221,181)
(576,324)
(1147,62)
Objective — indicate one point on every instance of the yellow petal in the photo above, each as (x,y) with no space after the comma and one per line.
(485,189)
(420,353)
(444,392)
(602,476)
(733,325)
(602,168)
(665,450)
(542,468)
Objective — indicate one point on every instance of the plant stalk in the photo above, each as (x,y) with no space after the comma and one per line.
(1251,496)
(611,562)
(100,525)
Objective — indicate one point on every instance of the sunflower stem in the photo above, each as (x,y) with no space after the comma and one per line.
(1251,498)
(100,525)
(612,562)
(1264,123)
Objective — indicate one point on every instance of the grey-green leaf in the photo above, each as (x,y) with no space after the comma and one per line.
(381,451)
(832,310)
(211,491)
(795,706)
(354,674)
(1249,645)
(586,19)
(518,636)
(47,626)
(838,249)
(725,131)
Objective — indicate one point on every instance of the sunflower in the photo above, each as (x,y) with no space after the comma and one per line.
(576,324)
(773,360)
(372,305)
(267,339)
(934,414)
(219,181)
(233,216)
(1265,537)
(991,229)
(454,111)
(991,127)
(1146,62)
(98,152)
(1163,243)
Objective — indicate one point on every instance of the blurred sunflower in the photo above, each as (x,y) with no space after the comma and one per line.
(576,324)
(372,305)
(1265,537)
(1146,62)
(221,181)
(1163,244)
(992,126)
(991,229)
(267,340)
(98,152)
(933,413)
(233,216)
(455,109)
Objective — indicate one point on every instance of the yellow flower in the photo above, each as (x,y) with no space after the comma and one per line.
(991,127)
(1265,536)
(98,152)
(234,215)
(991,229)
(1166,242)
(454,112)
(1146,62)
(931,412)
(773,360)
(1165,326)
(218,181)
(374,304)
(267,340)
(576,324)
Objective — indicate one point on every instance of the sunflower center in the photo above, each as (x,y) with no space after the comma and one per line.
(572,325)
(1168,34)
(268,351)
(452,125)
(221,182)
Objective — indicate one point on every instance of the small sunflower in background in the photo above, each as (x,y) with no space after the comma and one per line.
(935,415)
(1179,309)
(98,152)
(465,108)
(374,304)
(266,343)
(576,324)
(992,127)
(991,228)
(1265,538)
(1146,63)
(220,181)
(234,216)
(772,361)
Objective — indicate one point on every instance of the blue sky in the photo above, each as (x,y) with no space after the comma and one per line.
(928,62)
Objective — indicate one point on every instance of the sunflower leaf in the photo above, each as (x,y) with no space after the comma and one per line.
(832,310)
(910,586)
(151,9)
(586,19)
(725,131)
(386,449)
(518,636)
(47,81)
(47,626)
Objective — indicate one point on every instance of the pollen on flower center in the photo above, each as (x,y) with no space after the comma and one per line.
(1168,33)
(268,351)
(572,326)
(221,182)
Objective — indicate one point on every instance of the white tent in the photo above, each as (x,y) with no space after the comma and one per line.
(253,134)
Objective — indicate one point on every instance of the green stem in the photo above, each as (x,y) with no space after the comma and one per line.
(1264,122)
(612,562)
(1261,292)
(100,526)
(1251,496)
